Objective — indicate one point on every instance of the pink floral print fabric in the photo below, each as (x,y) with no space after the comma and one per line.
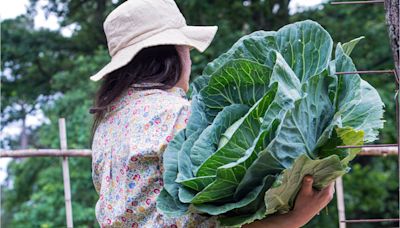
(127,158)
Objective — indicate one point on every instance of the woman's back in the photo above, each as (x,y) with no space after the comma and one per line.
(127,158)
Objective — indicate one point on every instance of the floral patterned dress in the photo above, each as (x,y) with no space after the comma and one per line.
(127,158)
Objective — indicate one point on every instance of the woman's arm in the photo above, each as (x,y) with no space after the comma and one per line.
(308,203)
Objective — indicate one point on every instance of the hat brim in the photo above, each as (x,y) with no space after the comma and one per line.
(198,37)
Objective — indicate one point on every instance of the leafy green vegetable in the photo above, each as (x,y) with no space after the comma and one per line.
(265,114)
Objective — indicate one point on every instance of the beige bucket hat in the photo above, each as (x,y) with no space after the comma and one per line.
(137,24)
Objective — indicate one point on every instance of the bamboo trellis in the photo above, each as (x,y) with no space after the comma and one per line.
(64,153)
(380,151)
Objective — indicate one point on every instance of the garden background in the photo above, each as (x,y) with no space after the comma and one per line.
(45,73)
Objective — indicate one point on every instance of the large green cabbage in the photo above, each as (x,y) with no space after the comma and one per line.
(264,114)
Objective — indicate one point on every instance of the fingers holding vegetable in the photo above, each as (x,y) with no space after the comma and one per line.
(309,201)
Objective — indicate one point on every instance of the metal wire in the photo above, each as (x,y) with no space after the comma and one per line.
(357,2)
(361,146)
(368,72)
(370,220)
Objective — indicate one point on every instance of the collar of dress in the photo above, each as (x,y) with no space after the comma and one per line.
(131,92)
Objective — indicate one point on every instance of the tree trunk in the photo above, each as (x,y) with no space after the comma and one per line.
(393,23)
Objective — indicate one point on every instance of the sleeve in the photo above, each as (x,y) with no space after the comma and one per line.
(178,118)
(97,161)
(182,119)
(179,122)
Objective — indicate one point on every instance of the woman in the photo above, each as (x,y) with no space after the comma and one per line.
(141,105)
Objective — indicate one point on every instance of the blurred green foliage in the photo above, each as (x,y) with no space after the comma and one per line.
(43,67)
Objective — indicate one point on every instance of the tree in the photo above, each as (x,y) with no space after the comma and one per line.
(30,59)
(35,197)
(88,16)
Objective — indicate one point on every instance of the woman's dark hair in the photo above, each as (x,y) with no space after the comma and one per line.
(158,64)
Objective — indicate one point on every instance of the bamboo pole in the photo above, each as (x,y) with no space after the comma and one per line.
(366,151)
(45,153)
(340,202)
(67,186)
(380,151)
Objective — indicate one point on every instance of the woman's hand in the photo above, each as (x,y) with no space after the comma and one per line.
(309,202)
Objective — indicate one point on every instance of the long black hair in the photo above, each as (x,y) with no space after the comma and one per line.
(158,64)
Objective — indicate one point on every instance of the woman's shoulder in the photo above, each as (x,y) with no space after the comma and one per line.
(173,98)
(157,103)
